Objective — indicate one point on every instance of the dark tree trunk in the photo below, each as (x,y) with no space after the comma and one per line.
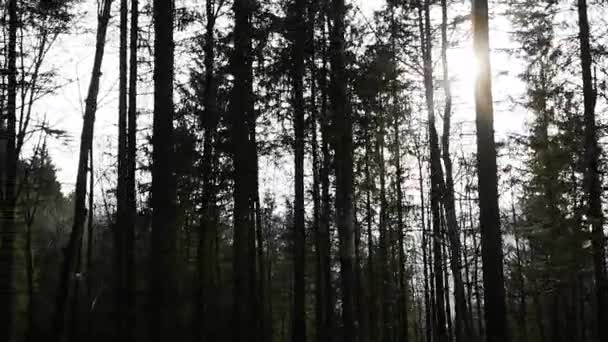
(427,300)
(66,287)
(299,234)
(491,238)
(90,245)
(205,323)
(316,194)
(372,302)
(343,140)
(436,176)
(402,309)
(119,229)
(386,290)
(131,202)
(593,186)
(7,190)
(163,286)
(463,326)
(244,321)
(324,291)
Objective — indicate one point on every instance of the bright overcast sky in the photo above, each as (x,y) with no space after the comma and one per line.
(73,53)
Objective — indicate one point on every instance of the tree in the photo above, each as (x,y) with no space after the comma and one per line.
(324,297)
(66,287)
(464,329)
(205,322)
(163,282)
(242,125)
(131,156)
(592,179)
(343,141)
(298,57)
(9,173)
(436,172)
(119,230)
(489,218)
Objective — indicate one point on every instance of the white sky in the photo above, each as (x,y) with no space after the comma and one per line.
(73,53)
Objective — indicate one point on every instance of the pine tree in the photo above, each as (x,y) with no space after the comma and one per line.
(491,238)
(343,140)
(163,282)
(592,178)
(298,56)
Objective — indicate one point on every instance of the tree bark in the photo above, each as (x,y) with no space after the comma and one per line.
(119,229)
(402,330)
(386,290)
(592,178)
(491,238)
(8,199)
(206,324)
(299,234)
(241,111)
(344,169)
(131,159)
(163,286)
(324,291)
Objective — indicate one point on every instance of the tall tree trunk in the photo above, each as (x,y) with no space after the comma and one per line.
(131,201)
(386,290)
(343,139)
(592,178)
(163,286)
(402,309)
(372,303)
(491,238)
(463,327)
(316,195)
(241,108)
(206,324)
(298,57)
(90,244)
(7,190)
(325,301)
(436,175)
(119,248)
(66,287)
(427,300)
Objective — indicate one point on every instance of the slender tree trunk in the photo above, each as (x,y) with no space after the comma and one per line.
(206,324)
(402,309)
(372,301)
(8,199)
(131,201)
(592,178)
(386,290)
(119,229)
(491,239)
(298,57)
(316,195)
(90,244)
(325,301)
(343,139)
(163,286)
(66,287)
(522,305)
(427,299)
(463,325)
(436,175)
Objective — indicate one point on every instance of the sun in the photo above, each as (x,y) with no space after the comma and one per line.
(464,67)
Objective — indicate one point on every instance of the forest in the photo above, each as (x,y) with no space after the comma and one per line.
(303,170)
